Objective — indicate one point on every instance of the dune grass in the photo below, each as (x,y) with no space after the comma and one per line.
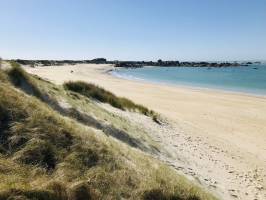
(88,112)
(44,155)
(3,77)
(21,79)
(100,94)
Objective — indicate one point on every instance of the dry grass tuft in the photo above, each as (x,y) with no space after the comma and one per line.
(100,94)
(22,80)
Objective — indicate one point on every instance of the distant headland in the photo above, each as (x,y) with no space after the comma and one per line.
(133,64)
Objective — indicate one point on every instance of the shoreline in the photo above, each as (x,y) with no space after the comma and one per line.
(189,87)
(220,137)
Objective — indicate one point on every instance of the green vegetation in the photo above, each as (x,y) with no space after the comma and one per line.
(3,77)
(21,79)
(100,94)
(45,155)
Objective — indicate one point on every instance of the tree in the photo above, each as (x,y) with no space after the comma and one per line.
(0,62)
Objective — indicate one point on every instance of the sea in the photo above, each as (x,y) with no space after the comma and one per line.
(243,79)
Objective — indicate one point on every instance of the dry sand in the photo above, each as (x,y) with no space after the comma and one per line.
(218,138)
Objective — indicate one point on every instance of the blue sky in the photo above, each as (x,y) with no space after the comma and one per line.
(133,29)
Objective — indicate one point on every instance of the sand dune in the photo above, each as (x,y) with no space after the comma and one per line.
(220,137)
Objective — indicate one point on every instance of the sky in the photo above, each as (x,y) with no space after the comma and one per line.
(185,30)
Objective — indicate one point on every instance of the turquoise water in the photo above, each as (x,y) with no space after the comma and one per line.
(248,79)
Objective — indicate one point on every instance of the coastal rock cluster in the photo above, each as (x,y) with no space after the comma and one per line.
(136,64)
(133,64)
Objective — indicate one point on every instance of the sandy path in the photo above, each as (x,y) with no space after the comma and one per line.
(217,137)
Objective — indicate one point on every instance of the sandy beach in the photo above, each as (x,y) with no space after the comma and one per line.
(219,138)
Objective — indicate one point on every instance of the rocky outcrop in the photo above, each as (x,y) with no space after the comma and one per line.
(133,64)
(136,64)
